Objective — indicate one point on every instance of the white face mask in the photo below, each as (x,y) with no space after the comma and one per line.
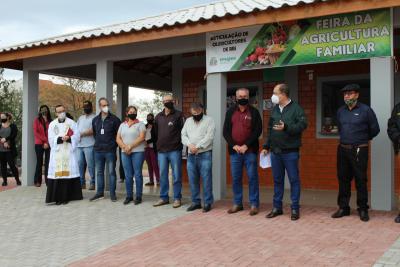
(275,99)
(61,116)
(105,109)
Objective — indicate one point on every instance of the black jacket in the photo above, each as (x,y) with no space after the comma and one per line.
(11,138)
(256,129)
(105,142)
(393,129)
(289,139)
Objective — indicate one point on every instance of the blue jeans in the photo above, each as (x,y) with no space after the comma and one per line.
(133,164)
(86,158)
(103,158)
(290,163)
(200,165)
(175,159)
(238,162)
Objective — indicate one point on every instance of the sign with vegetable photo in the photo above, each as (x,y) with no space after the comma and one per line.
(351,36)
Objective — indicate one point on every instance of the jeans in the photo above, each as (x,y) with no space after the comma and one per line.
(151,159)
(103,158)
(86,159)
(133,164)
(175,159)
(290,163)
(40,151)
(200,165)
(238,162)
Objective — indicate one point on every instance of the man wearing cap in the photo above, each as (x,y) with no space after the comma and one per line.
(357,125)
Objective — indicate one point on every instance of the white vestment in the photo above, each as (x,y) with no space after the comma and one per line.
(63,162)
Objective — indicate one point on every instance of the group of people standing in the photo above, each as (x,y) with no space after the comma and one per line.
(69,148)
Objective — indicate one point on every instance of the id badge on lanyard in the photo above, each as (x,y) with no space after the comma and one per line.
(102,128)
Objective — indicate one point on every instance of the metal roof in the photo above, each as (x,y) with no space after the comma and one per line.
(178,17)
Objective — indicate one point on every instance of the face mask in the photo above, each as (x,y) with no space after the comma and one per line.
(3,120)
(61,116)
(275,99)
(169,105)
(105,109)
(198,117)
(243,101)
(87,110)
(150,121)
(350,102)
(44,113)
(132,116)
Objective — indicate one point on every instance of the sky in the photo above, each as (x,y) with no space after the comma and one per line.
(26,20)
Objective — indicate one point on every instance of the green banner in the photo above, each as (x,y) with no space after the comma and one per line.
(351,36)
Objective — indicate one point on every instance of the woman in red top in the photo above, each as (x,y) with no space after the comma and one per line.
(40,128)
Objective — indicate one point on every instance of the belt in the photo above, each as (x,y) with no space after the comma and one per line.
(353,146)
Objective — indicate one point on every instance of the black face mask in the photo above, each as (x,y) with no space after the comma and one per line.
(150,121)
(132,116)
(243,101)
(3,120)
(198,117)
(87,110)
(169,105)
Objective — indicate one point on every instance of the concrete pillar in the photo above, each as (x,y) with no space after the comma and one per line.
(177,79)
(30,102)
(216,108)
(104,88)
(382,163)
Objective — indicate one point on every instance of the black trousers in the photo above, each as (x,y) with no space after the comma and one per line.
(352,162)
(8,158)
(40,151)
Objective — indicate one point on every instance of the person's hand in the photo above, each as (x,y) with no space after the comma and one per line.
(46,146)
(264,152)
(280,126)
(193,149)
(236,148)
(3,140)
(6,145)
(243,149)
(65,138)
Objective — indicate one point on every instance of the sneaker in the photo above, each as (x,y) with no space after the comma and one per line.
(160,202)
(83,186)
(113,198)
(177,203)
(97,197)
(91,187)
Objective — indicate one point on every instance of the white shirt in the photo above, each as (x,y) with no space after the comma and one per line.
(282,107)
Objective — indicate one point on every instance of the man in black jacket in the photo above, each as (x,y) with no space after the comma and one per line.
(105,127)
(242,127)
(393,131)
(285,127)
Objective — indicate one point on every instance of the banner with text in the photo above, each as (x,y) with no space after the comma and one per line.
(352,36)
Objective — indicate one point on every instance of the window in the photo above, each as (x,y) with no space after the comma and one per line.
(330,98)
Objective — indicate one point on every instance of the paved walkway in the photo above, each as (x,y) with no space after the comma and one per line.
(111,234)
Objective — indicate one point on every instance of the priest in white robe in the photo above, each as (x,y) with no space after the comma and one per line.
(63,177)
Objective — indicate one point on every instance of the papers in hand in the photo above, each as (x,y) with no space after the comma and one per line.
(265,160)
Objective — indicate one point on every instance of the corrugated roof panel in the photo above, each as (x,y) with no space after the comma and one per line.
(192,14)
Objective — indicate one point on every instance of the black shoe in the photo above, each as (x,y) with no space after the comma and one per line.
(97,197)
(58,203)
(363,215)
(149,184)
(275,212)
(207,208)
(397,219)
(65,202)
(113,199)
(4,183)
(128,200)
(194,207)
(295,215)
(340,213)
(138,200)
(18,182)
